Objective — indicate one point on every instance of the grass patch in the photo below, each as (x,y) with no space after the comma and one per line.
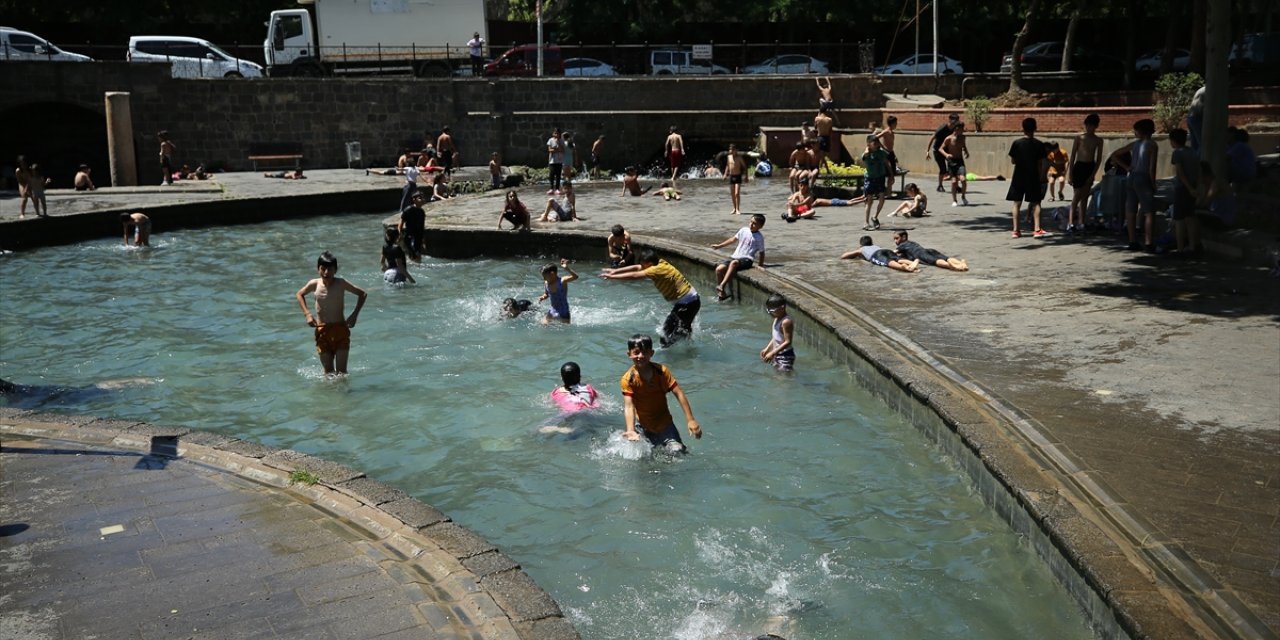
(302,476)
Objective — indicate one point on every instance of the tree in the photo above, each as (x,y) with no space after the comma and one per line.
(1020,42)
(1069,42)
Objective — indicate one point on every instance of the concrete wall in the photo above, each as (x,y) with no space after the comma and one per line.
(218,121)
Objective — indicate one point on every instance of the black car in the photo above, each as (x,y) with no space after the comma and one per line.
(1047,56)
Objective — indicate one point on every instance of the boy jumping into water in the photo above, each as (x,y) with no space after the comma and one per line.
(333,329)
(644,399)
(674,288)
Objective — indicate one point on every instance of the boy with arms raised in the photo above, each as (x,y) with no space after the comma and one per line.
(674,288)
(333,328)
(644,399)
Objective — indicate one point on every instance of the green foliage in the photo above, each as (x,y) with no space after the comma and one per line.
(302,476)
(844,175)
(1174,92)
(978,111)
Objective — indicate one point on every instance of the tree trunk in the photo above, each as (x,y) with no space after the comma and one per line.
(1015,71)
(1171,35)
(1217,35)
(1200,13)
(1069,42)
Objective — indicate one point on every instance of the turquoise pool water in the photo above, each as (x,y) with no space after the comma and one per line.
(808,509)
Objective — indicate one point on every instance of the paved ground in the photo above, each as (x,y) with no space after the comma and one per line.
(1160,379)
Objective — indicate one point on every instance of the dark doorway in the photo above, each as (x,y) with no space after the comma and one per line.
(59,137)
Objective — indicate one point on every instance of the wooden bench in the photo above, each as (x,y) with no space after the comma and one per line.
(276,152)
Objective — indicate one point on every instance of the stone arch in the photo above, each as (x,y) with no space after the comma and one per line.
(59,136)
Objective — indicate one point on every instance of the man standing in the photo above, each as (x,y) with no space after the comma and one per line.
(674,152)
(446,150)
(475,47)
(1030,164)
(935,141)
(555,161)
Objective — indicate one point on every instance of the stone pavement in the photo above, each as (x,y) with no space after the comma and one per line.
(1150,384)
(111,536)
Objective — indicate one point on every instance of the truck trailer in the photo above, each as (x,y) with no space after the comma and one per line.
(340,37)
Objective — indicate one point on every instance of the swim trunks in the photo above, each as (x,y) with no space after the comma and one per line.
(800,209)
(446,159)
(332,338)
(1082,174)
(735,179)
(1139,193)
(874,185)
(955,169)
(668,439)
(881,258)
(824,143)
(674,158)
(785,360)
(743,263)
(1030,191)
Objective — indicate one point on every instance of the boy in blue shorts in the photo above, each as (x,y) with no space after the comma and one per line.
(876,161)
(644,399)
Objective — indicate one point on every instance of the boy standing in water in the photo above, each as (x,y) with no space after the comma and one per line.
(644,399)
(333,328)
(140,225)
(557,289)
(779,350)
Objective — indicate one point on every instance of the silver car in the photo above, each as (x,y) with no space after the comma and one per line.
(191,57)
(788,63)
(22,45)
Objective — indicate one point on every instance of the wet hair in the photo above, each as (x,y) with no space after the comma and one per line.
(391,234)
(865,241)
(1028,125)
(775,301)
(617,230)
(513,307)
(648,256)
(418,194)
(901,232)
(570,374)
(672,129)
(911,186)
(126,218)
(640,341)
(800,144)
(892,120)
(1178,136)
(630,168)
(444,129)
(549,268)
(1092,120)
(1145,126)
(327,259)
(758,218)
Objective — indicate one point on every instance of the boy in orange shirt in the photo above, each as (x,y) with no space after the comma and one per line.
(644,399)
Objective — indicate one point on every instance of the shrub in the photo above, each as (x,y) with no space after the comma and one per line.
(978,111)
(1173,101)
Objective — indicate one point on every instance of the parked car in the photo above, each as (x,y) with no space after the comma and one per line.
(1255,50)
(23,45)
(191,57)
(1150,61)
(1047,56)
(663,62)
(588,67)
(523,61)
(920,64)
(789,63)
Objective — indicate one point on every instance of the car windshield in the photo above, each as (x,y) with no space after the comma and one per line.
(219,52)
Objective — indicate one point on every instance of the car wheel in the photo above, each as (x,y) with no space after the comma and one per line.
(896,72)
(233,74)
(949,72)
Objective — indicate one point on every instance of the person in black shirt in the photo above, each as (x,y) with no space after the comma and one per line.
(1030,165)
(413,224)
(935,141)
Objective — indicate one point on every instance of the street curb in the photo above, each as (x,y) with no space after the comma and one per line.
(472,580)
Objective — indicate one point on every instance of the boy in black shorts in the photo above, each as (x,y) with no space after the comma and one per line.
(1030,165)
(912,250)
(880,257)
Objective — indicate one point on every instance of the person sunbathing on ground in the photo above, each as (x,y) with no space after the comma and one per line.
(912,250)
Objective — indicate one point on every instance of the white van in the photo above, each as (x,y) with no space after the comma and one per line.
(664,62)
(21,45)
(191,57)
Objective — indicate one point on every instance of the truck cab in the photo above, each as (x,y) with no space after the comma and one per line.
(290,45)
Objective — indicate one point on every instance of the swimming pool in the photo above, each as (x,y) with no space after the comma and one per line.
(809,508)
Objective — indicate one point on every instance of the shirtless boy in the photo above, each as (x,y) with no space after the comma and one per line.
(140,224)
(446,149)
(1086,157)
(824,93)
(673,150)
(955,150)
(631,183)
(823,125)
(887,137)
(166,157)
(333,327)
(733,172)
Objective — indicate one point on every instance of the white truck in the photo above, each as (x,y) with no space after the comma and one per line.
(422,37)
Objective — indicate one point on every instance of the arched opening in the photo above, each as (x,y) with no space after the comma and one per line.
(59,137)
